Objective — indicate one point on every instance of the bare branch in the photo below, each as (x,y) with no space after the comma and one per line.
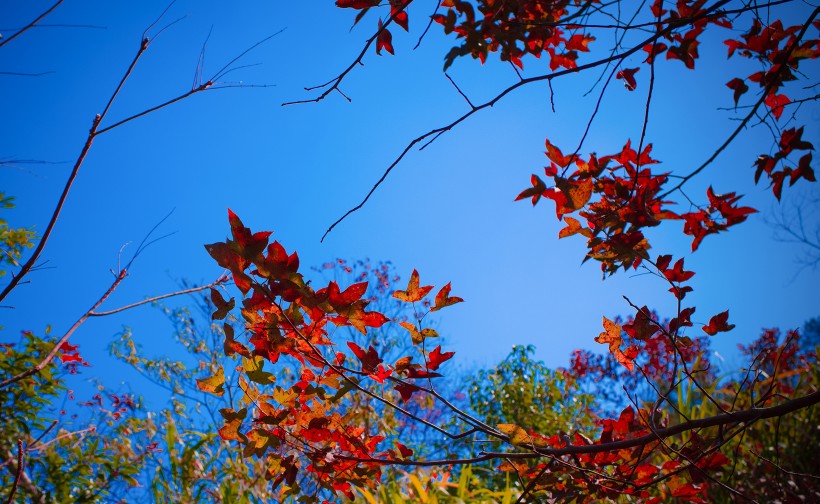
(218,281)
(31,25)
(19,471)
(53,353)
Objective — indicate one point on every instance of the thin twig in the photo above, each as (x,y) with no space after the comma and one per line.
(31,25)
(19,471)
(547,77)
(218,281)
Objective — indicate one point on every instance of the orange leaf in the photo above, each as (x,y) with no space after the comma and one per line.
(443,298)
(414,292)
(577,193)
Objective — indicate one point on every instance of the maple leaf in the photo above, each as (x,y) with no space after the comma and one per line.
(680,292)
(518,436)
(535,192)
(233,421)
(222,306)
(68,357)
(574,227)
(414,292)
(231,346)
(662,262)
(213,384)
(226,257)
(402,364)
(792,139)
(416,371)
(579,42)
(416,335)
(577,193)
(339,300)
(776,102)
(400,18)
(612,336)
(436,358)
(404,451)
(642,327)
(443,299)
(718,323)
(628,75)
(406,390)
(804,170)
(738,86)
(384,40)
(247,244)
(653,50)
(677,274)
(556,156)
(369,359)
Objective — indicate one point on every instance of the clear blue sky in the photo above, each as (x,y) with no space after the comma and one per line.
(447,211)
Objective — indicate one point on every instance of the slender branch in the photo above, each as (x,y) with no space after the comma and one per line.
(19,471)
(31,25)
(95,131)
(216,282)
(751,114)
(547,77)
(744,416)
(53,353)
(333,84)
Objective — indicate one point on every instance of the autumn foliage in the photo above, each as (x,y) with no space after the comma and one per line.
(668,443)
(323,404)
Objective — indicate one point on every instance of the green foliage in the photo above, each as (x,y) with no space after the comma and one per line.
(525,392)
(192,463)
(86,457)
(12,241)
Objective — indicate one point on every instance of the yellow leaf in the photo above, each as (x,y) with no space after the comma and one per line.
(213,384)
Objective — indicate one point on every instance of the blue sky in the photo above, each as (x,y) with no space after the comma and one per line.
(447,211)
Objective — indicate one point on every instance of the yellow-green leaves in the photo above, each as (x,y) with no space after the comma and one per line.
(520,437)
(213,384)
(418,336)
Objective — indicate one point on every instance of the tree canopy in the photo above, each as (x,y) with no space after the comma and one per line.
(336,383)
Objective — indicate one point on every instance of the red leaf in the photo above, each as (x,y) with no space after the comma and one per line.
(436,358)
(70,358)
(718,323)
(776,103)
(579,42)
(68,348)
(677,274)
(405,451)
(248,245)
(628,76)
(792,139)
(642,327)
(348,297)
(402,20)
(384,40)
(663,262)
(369,359)
(443,298)
(374,319)
(680,292)
(556,156)
(535,192)
(406,390)
(738,86)
(804,170)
